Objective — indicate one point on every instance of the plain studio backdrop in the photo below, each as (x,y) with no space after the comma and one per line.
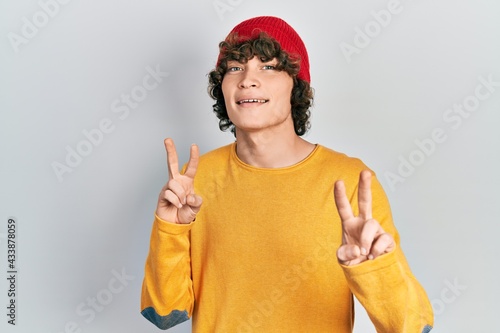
(89,90)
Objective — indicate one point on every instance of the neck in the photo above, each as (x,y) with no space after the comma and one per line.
(271,150)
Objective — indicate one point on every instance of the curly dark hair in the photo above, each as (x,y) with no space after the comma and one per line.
(266,48)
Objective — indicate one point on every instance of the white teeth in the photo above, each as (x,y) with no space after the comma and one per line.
(252,101)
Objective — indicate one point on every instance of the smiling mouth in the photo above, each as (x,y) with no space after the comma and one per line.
(244,101)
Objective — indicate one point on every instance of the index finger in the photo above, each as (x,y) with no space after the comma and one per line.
(365,195)
(343,205)
(194,155)
(172,160)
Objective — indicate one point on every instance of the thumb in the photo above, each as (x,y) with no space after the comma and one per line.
(348,252)
(194,201)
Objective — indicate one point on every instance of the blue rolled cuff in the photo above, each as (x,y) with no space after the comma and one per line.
(165,322)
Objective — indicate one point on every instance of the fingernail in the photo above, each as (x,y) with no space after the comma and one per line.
(363,251)
(370,256)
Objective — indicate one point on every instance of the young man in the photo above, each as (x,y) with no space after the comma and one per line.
(273,233)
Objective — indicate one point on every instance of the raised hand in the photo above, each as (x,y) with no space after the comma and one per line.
(177,202)
(362,236)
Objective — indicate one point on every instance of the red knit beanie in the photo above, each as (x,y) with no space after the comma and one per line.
(278,29)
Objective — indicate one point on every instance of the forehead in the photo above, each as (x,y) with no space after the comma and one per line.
(263,47)
(257,58)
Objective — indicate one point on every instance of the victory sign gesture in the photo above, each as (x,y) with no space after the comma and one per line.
(362,236)
(177,202)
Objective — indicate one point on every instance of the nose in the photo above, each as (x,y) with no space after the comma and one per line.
(248,79)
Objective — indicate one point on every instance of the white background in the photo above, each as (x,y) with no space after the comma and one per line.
(75,231)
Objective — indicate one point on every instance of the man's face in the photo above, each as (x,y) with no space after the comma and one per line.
(257,95)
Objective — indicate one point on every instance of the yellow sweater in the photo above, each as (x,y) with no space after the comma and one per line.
(261,255)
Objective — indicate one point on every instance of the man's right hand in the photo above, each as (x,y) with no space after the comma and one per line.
(177,202)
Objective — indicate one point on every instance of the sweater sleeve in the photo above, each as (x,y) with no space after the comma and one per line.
(167,297)
(386,287)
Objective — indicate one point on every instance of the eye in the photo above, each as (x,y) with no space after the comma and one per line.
(271,67)
(234,69)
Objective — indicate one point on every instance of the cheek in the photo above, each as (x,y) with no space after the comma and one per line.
(285,91)
(285,96)
(224,88)
(226,94)
(227,88)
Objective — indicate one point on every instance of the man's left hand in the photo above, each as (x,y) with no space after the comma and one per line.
(362,236)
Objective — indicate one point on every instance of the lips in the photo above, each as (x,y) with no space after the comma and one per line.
(252,100)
